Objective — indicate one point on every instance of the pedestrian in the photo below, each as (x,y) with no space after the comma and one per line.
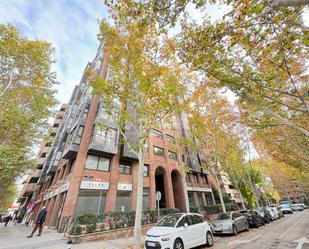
(7,219)
(39,222)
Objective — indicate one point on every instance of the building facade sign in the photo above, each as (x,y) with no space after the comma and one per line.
(198,189)
(64,187)
(124,186)
(94,185)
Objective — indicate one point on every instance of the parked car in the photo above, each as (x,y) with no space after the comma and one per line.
(273,212)
(253,218)
(265,215)
(301,206)
(230,223)
(280,213)
(286,209)
(297,207)
(179,230)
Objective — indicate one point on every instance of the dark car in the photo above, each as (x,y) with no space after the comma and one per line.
(265,215)
(253,218)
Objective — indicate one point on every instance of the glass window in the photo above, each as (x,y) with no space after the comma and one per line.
(156,133)
(146,170)
(204,179)
(125,168)
(191,200)
(90,202)
(195,178)
(105,136)
(104,164)
(170,139)
(146,194)
(97,163)
(111,116)
(123,201)
(196,219)
(78,135)
(169,220)
(208,198)
(158,151)
(200,199)
(145,146)
(172,155)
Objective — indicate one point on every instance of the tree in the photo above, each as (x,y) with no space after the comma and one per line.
(144,78)
(26,101)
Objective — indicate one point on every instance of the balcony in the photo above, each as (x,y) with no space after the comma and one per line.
(40,162)
(97,147)
(70,151)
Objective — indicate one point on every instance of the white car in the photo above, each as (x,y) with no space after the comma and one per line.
(273,212)
(179,231)
(286,209)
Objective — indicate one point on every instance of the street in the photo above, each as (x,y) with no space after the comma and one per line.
(291,232)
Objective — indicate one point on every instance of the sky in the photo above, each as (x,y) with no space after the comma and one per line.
(70,25)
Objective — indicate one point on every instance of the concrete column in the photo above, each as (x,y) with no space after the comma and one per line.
(54,212)
(204,199)
(195,199)
(168,187)
(110,203)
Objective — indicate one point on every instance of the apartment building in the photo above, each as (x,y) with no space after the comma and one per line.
(294,192)
(30,188)
(88,170)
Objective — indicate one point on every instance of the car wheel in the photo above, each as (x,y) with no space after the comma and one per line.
(178,244)
(235,232)
(209,239)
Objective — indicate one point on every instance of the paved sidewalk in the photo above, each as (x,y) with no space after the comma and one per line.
(15,237)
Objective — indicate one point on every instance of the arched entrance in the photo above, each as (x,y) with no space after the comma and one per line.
(160,185)
(179,198)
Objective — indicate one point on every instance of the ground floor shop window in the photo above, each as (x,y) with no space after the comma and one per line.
(208,198)
(90,202)
(123,201)
(146,192)
(191,200)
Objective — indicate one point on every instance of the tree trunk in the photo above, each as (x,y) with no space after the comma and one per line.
(256,199)
(242,200)
(139,199)
(220,194)
(185,191)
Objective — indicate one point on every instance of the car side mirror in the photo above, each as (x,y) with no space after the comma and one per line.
(185,225)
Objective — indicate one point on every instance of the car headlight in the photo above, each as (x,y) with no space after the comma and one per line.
(165,238)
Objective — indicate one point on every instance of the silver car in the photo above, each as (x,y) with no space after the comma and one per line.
(230,223)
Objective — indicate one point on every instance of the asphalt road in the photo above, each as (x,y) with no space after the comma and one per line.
(286,233)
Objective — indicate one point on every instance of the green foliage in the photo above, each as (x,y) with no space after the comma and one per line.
(26,101)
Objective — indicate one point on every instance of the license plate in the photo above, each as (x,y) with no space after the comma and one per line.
(151,244)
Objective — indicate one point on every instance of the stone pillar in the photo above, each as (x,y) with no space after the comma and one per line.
(204,199)
(195,199)
(168,187)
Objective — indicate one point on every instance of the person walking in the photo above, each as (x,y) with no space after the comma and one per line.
(7,219)
(39,222)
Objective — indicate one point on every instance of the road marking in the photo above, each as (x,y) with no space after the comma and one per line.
(244,241)
(287,231)
(301,241)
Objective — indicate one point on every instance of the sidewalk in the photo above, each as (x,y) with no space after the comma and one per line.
(15,237)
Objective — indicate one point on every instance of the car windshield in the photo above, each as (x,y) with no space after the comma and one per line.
(169,221)
(224,216)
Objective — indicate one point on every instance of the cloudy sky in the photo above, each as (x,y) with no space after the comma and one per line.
(70,25)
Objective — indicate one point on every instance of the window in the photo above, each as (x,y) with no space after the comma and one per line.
(187,178)
(208,198)
(90,202)
(172,155)
(43,155)
(170,139)
(146,192)
(125,168)
(105,136)
(156,133)
(158,151)
(191,200)
(97,163)
(78,136)
(145,147)
(204,179)
(85,113)
(196,219)
(146,170)
(57,158)
(71,165)
(123,201)
(195,178)
(200,199)
(111,116)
